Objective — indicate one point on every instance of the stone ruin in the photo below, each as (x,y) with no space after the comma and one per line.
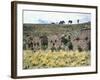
(59,42)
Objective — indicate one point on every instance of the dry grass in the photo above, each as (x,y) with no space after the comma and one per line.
(48,59)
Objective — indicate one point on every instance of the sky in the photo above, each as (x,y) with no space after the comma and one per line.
(45,17)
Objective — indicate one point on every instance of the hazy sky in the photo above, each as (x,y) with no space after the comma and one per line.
(40,17)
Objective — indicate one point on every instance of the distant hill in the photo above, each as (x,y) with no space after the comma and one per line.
(50,29)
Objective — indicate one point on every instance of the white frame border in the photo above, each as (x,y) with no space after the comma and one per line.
(21,72)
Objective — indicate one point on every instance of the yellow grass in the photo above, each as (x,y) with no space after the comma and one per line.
(48,59)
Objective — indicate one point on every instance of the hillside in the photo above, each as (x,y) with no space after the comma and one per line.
(51,29)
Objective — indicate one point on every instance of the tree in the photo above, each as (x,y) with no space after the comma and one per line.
(62,22)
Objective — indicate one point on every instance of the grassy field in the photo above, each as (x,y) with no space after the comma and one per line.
(48,59)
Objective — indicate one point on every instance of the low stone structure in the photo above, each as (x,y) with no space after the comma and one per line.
(60,42)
